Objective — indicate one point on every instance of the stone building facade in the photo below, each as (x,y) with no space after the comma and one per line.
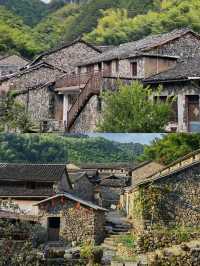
(72,219)
(31,77)
(181,82)
(139,60)
(169,197)
(68,55)
(82,186)
(27,184)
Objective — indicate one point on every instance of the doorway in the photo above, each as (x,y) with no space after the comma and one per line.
(53,228)
(193,113)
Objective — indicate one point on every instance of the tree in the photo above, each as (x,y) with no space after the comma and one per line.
(171,147)
(13,116)
(31,234)
(132,109)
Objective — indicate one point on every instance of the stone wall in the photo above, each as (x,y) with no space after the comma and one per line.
(149,241)
(68,57)
(88,119)
(37,103)
(11,64)
(78,223)
(181,91)
(186,46)
(31,78)
(84,189)
(185,254)
(110,195)
(169,201)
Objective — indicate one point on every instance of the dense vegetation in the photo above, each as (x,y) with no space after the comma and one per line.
(30,26)
(53,148)
(15,36)
(171,147)
(140,115)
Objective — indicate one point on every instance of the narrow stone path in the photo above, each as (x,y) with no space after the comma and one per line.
(116,226)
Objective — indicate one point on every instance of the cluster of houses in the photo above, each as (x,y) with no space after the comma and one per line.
(71,201)
(61,88)
(62,197)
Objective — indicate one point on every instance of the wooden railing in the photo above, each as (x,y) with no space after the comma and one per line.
(78,79)
(73,80)
(92,87)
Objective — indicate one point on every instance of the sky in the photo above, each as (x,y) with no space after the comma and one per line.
(128,137)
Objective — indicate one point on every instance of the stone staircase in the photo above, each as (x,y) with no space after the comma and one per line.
(116,226)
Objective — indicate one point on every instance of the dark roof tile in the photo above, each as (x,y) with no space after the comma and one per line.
(31,172)
(131,49)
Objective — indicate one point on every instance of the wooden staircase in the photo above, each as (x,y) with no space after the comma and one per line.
(92,87)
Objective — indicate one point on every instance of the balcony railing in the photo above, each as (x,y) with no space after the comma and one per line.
(78,79)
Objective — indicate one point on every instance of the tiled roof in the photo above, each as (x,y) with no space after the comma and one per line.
(145,170)
(179,165)
(76,199)
(30,69)
(182,71)
(131,49)
(114,181)
(14,191)
(31,172)
(13,58)
(68,44)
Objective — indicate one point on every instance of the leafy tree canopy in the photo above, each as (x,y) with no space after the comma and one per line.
(171,147)
(132,109)
(117,26)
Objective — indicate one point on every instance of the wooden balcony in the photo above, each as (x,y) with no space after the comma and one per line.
(78,80)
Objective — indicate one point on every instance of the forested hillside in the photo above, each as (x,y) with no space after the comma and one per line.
(34,26)
(53,148)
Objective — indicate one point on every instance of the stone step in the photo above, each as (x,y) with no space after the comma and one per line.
(110,242)
(108,247)
(120,230)
(117,233)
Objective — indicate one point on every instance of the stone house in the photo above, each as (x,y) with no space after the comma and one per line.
(82,186)
(138,60)
(181,81)
(68,55)
(119,169)
(70,218)
(168,197)
(31,77)
(110,188)
(32,88)
(11,64)
(26,184)
(34,82)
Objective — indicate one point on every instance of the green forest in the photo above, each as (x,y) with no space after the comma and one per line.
(29,27)
(41,148)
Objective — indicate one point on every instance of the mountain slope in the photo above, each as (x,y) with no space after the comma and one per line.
(15,36)
(53,148)
(31,11)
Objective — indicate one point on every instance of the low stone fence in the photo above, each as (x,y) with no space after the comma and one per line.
(184,254)
(187,254)
(156,239)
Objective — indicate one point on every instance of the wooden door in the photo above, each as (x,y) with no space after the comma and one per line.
(59,107)
(53,228)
